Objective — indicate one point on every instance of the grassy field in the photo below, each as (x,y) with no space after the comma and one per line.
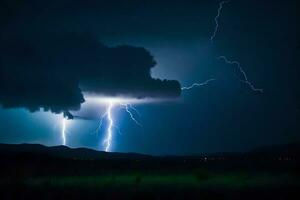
(197,179)
(200,184)
(45,173)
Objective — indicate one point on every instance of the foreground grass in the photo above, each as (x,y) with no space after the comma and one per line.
(203,179)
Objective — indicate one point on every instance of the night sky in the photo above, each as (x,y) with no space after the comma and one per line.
(53,52)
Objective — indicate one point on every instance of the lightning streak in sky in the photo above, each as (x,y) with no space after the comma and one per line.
(217,19)
(101,122)
(108,137)
(110,120)
(135,110)
(211,39)
(63,131)
(244,78)
(127,109)
(244,75)
(198,84)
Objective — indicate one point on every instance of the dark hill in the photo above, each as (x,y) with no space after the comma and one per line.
(65,152)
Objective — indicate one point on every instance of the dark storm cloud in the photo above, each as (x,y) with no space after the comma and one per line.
(52,72)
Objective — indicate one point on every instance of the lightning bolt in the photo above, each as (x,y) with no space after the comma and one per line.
(109,134)
(63,131)
(244,78)
(198,84)
(211,39)
(107,142)
(242,71)
(101,123)
(127,108)
(135,110)
(217,19)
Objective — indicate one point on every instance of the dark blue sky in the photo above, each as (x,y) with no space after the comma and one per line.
(225,115)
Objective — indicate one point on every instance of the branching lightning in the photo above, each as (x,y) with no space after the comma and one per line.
(211,39)
(101,122)
(242,71)
(198,84)
(107,142)
(135,110)
(132,111)
(217,19)
(245,77)
(127,109)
